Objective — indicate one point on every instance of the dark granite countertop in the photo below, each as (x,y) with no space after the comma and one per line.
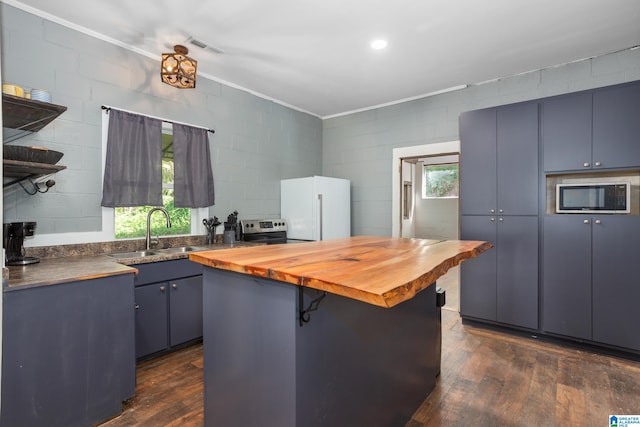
(73,265)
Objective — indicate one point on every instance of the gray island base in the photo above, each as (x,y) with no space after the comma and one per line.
(352,364)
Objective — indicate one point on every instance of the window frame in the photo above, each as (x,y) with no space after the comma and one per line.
(424,180)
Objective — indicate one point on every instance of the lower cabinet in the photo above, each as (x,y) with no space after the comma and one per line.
(68,352)
(590,281)
(502,284)
(168,312)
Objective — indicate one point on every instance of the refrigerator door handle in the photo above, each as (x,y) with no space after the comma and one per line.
(320,216)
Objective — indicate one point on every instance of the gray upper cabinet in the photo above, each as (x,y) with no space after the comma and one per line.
(499,160)
(478,171)
(616,127)
(517,154)
(592,130)
(566,132)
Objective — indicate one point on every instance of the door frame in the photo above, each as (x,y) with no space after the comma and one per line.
(401,153)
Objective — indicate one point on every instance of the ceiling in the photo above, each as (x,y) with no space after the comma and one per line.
(314,55)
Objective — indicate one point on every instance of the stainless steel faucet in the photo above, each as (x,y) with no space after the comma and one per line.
(148,237)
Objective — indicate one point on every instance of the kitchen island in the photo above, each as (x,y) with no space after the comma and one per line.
(333,333)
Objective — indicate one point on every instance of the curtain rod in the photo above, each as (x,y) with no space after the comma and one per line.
(107,108)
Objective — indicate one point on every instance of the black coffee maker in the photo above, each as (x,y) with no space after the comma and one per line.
(13,240)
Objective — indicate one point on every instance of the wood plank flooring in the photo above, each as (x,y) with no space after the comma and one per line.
(488,379)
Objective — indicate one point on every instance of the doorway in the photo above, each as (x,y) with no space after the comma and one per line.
(419,214)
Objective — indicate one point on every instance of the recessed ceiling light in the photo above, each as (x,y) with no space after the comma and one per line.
(379,44)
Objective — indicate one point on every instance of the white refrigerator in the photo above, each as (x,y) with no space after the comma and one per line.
(316,207)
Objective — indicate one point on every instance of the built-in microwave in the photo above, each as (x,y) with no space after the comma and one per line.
(602,197)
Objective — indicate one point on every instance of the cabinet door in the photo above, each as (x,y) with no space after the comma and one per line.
(616,126)
(616,283)
(517,159)
(567,276)
(478,162)
(151,319)
(185,308)
(566,132)
(517,272)
(478,275)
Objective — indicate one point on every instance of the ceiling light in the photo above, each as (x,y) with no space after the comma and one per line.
(378,44)
(177,69)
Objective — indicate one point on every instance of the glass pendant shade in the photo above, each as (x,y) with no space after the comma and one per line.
(178,70)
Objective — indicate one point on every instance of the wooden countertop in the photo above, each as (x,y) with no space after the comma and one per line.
(381,271)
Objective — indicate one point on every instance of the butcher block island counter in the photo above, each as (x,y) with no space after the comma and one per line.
(340,332)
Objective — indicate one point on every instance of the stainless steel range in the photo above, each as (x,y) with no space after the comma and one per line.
(269,231)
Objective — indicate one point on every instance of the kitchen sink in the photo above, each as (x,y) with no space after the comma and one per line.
(152,252)
(134,254)
(182,249)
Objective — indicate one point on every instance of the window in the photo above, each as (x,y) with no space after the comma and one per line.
(131,222)
(440,181)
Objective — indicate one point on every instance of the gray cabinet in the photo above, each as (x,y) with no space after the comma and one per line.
(592,130)
(168,298)
(566,132)
(499,204)
(566,281)
(499,160)
(590,282)
(616,283)
(502,285)
(68,352)
(151,319)
(616,126)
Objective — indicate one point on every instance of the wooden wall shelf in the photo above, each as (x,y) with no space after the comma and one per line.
(25,170)
(27,115)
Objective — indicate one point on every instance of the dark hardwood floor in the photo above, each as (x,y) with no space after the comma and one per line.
(488,379)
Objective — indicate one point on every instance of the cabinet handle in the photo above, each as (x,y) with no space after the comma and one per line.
(493,211)
(598,163)
(493,219)
(586,221)
(500,219)
(598,221)
(499,210)
(174,286)
(162,288)
(137,306)
(586,164)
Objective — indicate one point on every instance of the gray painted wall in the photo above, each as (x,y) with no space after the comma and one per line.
(257,142)
(359,146)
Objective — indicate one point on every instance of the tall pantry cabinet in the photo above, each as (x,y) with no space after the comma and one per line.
(569,275)
(499,204)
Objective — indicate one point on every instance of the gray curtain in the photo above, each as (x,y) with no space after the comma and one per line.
(193,177)
(133,167)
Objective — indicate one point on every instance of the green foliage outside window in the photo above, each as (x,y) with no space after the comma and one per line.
(440,181)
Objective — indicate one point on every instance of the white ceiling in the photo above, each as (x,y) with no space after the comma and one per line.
(314,55)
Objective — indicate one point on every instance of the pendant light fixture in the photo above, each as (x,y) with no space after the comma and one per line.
(177,69)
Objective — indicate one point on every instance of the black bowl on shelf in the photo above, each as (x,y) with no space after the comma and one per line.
(31,154)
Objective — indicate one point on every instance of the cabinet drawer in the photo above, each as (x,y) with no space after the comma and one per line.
(166,270)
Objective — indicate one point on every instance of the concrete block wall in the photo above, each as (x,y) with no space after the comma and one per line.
(359,146)
(256,143)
